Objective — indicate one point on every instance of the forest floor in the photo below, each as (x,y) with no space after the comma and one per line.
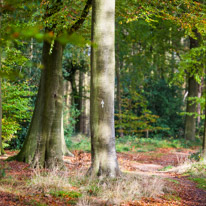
(21,185)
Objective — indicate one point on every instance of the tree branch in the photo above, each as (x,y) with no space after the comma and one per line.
(81,20)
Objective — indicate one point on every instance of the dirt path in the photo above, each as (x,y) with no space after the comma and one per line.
(152,164)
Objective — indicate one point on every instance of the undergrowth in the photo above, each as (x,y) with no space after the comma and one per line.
(83,190)
(132,143)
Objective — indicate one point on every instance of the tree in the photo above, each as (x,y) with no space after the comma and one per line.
(104,159)
(190,119)
(204,138)
(1,145)
(43,142)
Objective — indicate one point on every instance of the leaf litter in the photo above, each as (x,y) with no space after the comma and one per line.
(14,189)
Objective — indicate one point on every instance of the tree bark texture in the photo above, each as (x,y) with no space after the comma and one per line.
(103,151)
(43,142)
(190,120)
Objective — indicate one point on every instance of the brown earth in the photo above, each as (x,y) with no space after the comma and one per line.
(149,163)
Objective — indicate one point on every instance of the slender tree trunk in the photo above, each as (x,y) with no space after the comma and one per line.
(65,150)
(43,142)
(104,159)
(119,107)
(80,103)
(199,106)
(190,120)
(86,125)
(1,144)
(204,138)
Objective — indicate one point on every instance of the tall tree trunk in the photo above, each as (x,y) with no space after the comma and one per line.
(204,138)
(86,105)
(65,150)
(43,142)
(104,158)
(190,120)
(199,106)
(81,102)
(1,144)
(118,96)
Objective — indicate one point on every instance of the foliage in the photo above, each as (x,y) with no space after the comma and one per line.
(201,182)
(78,142)
(165,101)
(16,108)
(69,125)
(135,117)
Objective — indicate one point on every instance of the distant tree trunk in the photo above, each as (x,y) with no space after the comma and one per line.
(80,102)
(65,150)
(190,120)
(104,158)
(1,144)
(85,126)
(199,106)
(204,139)
(43,142)
(119,107)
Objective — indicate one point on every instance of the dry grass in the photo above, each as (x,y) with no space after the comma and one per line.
(114,191)
(109,191)
(45,181)
(191,167)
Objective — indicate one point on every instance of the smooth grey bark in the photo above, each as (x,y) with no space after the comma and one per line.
(103,151)
(190,120)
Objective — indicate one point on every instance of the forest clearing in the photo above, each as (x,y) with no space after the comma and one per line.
(103,102)
(160,177)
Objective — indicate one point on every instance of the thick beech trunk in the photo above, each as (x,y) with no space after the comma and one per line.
(190,120)
(43,142)
(104,159)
